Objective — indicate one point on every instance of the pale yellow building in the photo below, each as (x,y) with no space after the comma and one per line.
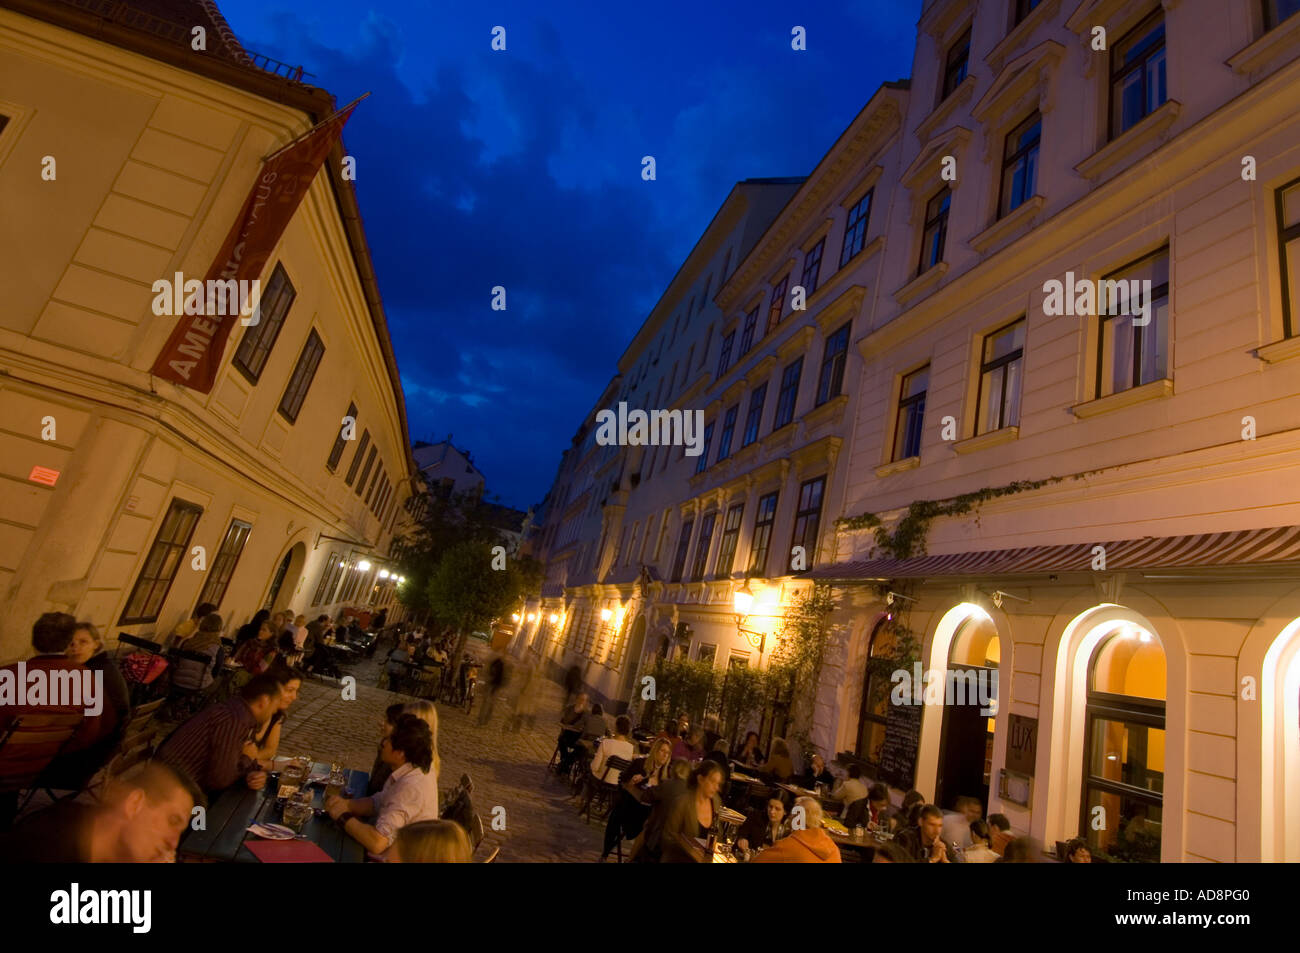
(127,499)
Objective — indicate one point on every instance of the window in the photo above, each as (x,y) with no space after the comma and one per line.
(295,392)
(223,567)
(663,536)
(728,430)
(883,653)
(831,378)
(328,577)
(788,394)
(1288,243)
(170,546)
(1137,74)
(776,307)
(336,451)
(855,232)
(935,232)
(911,413)
(703,545)
(955,63)
(357,457)
(365,472)
(702,463)
(377,488)
(255,346)
(1024,8)
(747,335)
(1124,747)
(4,121)
(1129,354)
(726,264)
(730,537)
(1020,165)
(1275,11)
(724,358)
(374,482)
(807,520)
(764,517)
(812,267)
(706,653)
(683,544)
(998,402)
(754,416)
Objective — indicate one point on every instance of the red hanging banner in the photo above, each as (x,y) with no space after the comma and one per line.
(193,351)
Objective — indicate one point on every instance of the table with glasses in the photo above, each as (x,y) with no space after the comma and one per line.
(235,809)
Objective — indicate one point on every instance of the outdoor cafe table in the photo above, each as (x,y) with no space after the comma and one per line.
(235,809)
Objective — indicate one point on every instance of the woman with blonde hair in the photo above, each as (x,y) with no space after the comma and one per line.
(778,763)
(427,712)
(430,842)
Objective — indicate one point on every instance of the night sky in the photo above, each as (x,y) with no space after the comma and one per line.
(523,168)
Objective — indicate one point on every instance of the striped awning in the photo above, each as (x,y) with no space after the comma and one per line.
(1279,546)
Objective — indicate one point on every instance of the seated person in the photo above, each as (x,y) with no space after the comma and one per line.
(185,630)
(643,776)
(75,769)
(572,722)
(649,845)
(956,826)
(812,845)
(690,748)
(924,841)
(817,773)
(778,763)
(677,728)
(396,666)
(410,794)
(620,746)
(764,829)
(52,634)
(999,833)
(380,771)
(267,737)
(256,655)
(139,820)
(214,747)
(852,789)
(874,811)
(191,674)
(1076,851)
(430,842)
(978,852)
(750,754)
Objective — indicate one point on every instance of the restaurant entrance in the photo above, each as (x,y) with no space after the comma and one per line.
(970,707)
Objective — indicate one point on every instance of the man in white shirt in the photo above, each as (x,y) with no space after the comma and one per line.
(410,794)
(956,826)
(851,789)
(620,746)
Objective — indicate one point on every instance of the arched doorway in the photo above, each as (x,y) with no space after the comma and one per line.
(285,581)
(1122,809)
(1279,708)
(966,742)
(883,653)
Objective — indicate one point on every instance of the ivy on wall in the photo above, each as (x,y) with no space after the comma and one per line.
(907,536)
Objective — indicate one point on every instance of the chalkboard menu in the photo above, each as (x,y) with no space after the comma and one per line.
(902,739)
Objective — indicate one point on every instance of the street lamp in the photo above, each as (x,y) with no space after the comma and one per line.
(383,574)
(744,602)
(515,616)
(554,618)
(532,617)
(606,615)
(364,565)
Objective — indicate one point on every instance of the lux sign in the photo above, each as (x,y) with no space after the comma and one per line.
(1022,744)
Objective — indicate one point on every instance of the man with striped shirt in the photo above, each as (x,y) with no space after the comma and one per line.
(215,747)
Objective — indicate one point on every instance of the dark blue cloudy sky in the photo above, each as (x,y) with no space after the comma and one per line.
(523,169)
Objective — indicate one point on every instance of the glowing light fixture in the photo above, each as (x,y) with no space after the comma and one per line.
(364,565)
(383,574)
(515,616)
(532,617)
(554,618)
(606,615)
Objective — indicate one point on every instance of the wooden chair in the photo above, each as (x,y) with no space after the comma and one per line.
(603,792)
(134,643)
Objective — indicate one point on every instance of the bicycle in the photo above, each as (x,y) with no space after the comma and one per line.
(471,685)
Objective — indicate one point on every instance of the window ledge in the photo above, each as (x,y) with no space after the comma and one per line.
(1275,44)
(1020,32)
(991,439)
(898,466)
(1125,398)
(778,438)
(1279,351)
(921,283)
(926,128)
(1127,143)
(831,411)
(1014,221)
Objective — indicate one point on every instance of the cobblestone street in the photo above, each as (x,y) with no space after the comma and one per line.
(508,768)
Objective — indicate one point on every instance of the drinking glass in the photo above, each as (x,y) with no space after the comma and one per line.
(295,815)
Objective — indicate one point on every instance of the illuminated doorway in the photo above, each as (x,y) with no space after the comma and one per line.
(883,653)
(1124,746)
(966,746)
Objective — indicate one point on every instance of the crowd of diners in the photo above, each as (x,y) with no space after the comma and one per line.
(142,814)
(670,796)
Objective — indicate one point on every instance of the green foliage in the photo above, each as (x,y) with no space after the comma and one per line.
(741,694)
(908,536)
(795,667)
(447,522)
(683,685)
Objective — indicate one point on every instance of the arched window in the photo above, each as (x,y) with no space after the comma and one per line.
(1124,748)
(882,659)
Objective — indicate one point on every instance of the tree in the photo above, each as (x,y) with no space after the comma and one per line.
(467,594)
